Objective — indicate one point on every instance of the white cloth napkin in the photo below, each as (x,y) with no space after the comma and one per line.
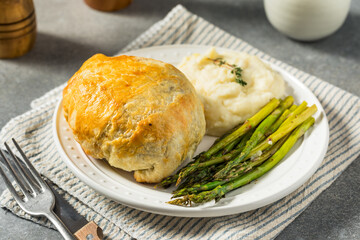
(33,131)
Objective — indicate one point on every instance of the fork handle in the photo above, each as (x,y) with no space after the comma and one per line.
(60,226)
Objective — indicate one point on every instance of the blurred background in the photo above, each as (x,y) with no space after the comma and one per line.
(69,32)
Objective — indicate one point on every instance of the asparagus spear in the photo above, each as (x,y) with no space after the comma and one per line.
(249,165)
(244,128)
(198,160)
(191,168)
(285,129)
(294,113)
(167,182)
(293,107)
(197,188)
(246,138)
(230,146)
(226,155)
(220,191)
(280,120)
(212,161)
(245,167)
(226,134)
(223,158)
(256,137)
(201,176)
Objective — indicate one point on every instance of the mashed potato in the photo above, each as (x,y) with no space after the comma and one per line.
(228,103)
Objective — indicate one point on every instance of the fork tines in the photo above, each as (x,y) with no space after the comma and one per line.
(22,171)
(36,197)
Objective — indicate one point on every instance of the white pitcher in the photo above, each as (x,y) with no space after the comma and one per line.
(307,20)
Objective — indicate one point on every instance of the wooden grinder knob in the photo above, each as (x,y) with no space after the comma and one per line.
(17,27)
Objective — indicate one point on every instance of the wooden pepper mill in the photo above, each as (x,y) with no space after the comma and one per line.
(17,27)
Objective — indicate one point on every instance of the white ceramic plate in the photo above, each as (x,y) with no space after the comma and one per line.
(120,186)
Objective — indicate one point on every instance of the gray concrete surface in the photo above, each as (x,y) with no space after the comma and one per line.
(69,32)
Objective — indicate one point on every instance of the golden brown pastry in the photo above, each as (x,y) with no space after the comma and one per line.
(139,114)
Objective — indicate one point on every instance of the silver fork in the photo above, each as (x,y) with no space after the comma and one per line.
(36,197)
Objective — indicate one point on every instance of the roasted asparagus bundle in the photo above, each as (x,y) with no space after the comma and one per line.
(242,155)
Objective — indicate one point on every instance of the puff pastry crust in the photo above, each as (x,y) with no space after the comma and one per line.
(139,114)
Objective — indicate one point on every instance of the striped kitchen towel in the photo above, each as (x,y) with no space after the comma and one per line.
(33,131)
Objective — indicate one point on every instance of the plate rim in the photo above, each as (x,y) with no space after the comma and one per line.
(186,211)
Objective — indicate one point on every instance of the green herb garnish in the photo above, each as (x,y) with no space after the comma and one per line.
(236,70)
